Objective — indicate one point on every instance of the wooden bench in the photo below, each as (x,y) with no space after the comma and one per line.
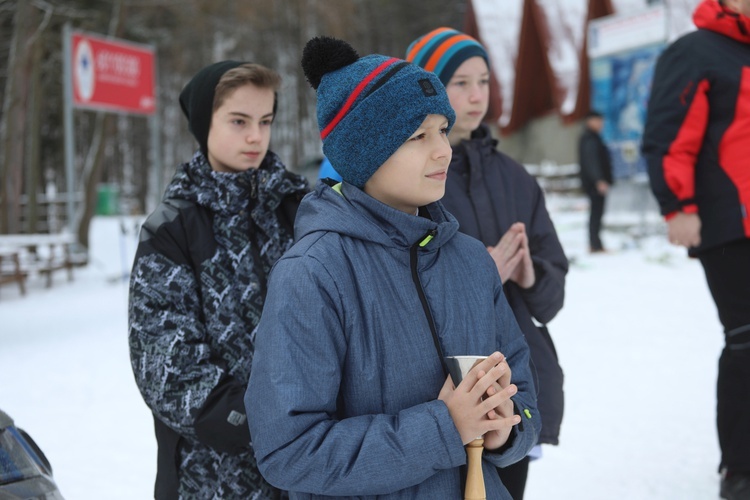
(41,254)
(10,269)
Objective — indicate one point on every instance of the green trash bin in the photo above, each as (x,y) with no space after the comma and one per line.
(107,199)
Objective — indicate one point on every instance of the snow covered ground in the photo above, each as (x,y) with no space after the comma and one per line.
(638,338)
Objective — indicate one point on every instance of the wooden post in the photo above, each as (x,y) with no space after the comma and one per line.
(474,476)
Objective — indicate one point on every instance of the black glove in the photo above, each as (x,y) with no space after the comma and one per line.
(222,422)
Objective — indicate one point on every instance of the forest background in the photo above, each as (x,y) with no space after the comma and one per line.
(114,148)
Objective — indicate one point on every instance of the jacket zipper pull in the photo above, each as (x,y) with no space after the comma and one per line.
(428,237)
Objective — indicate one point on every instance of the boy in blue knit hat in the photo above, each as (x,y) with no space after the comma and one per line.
(349,394)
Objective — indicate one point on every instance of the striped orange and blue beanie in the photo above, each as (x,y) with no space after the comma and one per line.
(368,107)
(443,50)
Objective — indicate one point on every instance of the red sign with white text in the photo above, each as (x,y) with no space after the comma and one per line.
(112,75)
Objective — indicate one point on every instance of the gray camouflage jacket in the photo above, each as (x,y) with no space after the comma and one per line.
(196,294)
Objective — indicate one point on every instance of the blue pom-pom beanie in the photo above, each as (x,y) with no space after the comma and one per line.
(368,107)
(443,50)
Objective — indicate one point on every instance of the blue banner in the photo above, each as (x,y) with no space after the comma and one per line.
(620,88)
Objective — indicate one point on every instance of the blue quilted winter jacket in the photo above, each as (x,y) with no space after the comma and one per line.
(342,398)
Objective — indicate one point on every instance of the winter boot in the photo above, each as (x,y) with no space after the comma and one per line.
(735,486)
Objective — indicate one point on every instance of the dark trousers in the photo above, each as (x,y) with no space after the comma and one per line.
(596,212)
(727,271)
(514,477)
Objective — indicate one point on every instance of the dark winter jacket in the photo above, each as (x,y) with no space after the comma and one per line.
(344,386)
(697,135)
(196,295)
(594,159)
(487,192)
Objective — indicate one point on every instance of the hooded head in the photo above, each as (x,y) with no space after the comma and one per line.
(443,50)
(368,107)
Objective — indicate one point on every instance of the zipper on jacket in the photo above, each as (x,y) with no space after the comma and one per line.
(414,252)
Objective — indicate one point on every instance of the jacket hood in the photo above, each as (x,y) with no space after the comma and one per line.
(713,16)
(349,211)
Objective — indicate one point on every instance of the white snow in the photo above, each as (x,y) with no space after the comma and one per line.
(638,338)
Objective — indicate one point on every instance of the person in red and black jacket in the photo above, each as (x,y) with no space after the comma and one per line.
(697,145)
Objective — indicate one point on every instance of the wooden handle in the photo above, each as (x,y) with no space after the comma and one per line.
(474,476)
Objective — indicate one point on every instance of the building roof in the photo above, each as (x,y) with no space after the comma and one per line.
(537,51)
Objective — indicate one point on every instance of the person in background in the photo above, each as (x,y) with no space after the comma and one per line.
(696,143)
(496,201)
(596,174)
(199,282)
(349,394)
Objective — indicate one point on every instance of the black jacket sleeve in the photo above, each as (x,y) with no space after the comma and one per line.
(546,297)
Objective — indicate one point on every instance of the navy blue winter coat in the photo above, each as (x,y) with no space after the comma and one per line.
(487,192)
(342,398)
(594,159)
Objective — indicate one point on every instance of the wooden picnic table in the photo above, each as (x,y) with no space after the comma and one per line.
(10,269)
(43,254)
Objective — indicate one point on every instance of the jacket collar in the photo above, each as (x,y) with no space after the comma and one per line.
(481,141)
(259,189)
(350,211)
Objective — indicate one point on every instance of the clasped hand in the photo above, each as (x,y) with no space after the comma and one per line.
(480,405)
(513,257)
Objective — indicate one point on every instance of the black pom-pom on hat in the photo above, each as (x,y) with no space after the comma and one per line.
(324,54)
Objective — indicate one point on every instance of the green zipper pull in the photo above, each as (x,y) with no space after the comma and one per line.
(428,238)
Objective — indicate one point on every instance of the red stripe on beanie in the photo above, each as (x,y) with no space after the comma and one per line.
(353,96)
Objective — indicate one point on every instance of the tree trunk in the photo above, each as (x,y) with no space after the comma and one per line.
(93,166)
(13,126)
(34,141)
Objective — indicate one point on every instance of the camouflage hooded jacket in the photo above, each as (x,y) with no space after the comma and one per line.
(196,295)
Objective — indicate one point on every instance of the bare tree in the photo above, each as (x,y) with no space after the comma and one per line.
(15,112)
(187,35)
(92,167)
